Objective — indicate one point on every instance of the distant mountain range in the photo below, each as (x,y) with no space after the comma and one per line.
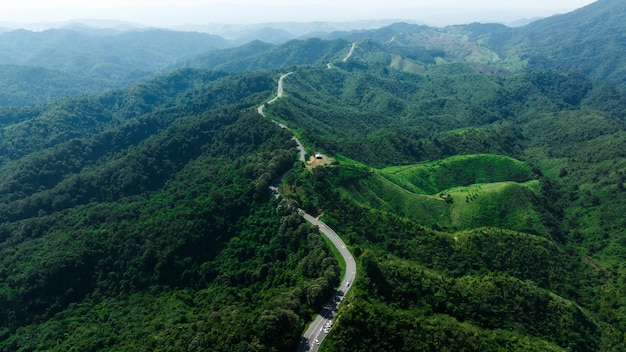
(109,54)
(476,172)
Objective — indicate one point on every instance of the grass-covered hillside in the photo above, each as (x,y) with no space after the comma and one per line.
(460,170)
(497,186)
(483,288)
(476,174)
(460,192)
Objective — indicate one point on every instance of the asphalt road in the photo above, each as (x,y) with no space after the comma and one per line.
(279,93)
(350,52)
(319,328)
(260,109)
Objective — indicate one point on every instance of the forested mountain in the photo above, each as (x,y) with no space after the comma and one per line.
(30,85)
(476,174)
(38,67)
(262,56)
(429,128)
(282,32)
(588,40)
(168,177)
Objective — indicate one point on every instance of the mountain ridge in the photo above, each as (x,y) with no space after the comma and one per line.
(481,195)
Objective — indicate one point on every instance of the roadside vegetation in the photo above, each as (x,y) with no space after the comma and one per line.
(479,184)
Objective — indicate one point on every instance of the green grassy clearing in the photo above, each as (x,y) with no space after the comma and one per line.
(461,192)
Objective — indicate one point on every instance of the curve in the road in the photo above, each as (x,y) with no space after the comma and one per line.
(317,330)
(322,324)
(279,94)
(350,52)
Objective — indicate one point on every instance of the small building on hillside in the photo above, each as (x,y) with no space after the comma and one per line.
(319,156)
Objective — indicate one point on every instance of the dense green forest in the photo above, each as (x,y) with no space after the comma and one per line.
(258,55)
(151,222)
(453,239)
(40,67)
(477,174)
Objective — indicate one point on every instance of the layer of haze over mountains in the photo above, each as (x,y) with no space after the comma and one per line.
(240,22)
(196,15)
(477,172)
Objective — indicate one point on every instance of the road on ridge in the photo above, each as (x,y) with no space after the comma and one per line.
(279,94)
(318,329)
(350,52)
(322,324)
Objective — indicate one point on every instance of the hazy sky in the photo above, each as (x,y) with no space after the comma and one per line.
(176,12)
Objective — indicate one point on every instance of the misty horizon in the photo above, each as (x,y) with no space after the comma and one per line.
(181,17)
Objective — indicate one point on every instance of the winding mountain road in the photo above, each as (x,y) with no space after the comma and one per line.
(322,324)
(319,328)
(350,52)
(279,94)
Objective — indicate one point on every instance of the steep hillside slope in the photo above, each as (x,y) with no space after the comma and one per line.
(383,117)
(262,56)
(564,126)
(420,288)
(461,192)
(588,40)
(92,61)
(151,223)
(484,202)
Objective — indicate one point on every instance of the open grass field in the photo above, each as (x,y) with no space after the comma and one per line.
(460,170)
(460,192)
